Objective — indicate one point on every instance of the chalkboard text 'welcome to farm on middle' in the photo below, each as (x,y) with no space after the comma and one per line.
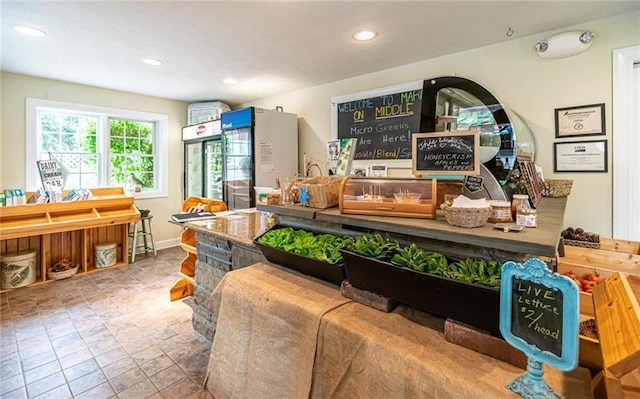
(382,125)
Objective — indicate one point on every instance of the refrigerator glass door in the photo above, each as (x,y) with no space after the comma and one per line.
(193,169)
(213,169)
(238,168)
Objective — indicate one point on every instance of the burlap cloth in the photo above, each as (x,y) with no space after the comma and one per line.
(265,340)
(282,335)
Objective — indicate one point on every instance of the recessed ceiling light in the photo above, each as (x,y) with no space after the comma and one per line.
(27,30)
(230,81)
(364,35)
(152,61)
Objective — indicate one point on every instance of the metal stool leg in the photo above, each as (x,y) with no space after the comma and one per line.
(144,234)
(134,242)
(153,242)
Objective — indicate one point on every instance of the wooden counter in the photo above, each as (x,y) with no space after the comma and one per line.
(284,335)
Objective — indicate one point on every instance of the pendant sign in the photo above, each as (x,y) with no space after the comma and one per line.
(473,183)
(539,316)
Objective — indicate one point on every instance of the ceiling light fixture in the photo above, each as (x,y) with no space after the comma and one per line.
(28,30)
(152,61)
(565,44)
(364,35)
(230,81)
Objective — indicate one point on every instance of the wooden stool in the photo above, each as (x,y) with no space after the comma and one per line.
(141,229)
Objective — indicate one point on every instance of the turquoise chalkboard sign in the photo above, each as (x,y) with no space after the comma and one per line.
(539,315)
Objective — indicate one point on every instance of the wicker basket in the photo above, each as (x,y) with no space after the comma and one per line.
(582,244)
(467,217)
(324,191)
(62,275)
(556,188)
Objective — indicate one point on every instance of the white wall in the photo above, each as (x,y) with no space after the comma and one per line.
(522,81)
(16,88)
(512,71)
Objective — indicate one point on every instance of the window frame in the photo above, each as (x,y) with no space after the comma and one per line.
(625,188)
(160,148)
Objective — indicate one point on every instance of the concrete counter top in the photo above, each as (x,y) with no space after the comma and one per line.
(241,227)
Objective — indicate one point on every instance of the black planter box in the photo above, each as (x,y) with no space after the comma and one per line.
(471,304)
(332,273)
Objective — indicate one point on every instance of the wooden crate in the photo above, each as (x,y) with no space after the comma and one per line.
(612,256)
(617,310)
(201,204)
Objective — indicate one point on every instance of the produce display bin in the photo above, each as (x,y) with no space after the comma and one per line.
(471,304)
(332,273)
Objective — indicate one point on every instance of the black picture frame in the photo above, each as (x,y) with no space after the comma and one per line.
(580,156)
(582,120)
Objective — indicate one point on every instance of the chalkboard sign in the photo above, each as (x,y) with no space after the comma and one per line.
(381,120)
(446,153)
(536,315)
(539,313)
(473,183)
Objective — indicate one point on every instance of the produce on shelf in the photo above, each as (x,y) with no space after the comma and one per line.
(374,246)
(588,328)
(62,266)
(586,282)
(322,247)
(471,270)
(420,260)
(578,234)
(326,248)
(476,270)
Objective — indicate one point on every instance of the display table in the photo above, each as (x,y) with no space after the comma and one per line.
(284,335)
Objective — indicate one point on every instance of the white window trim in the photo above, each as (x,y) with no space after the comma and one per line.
(160,147)
(626,138)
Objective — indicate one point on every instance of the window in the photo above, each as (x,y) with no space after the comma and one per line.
(99,146)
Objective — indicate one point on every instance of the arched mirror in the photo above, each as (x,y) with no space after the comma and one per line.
(453,103)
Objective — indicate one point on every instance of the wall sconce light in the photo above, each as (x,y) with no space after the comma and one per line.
(565,44)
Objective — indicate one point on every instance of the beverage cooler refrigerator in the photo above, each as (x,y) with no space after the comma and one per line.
(203,160)
(258,146)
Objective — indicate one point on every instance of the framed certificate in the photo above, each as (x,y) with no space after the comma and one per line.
(580,156)
(584,120)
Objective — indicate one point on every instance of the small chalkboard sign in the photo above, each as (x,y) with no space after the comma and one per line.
(539,315)
(473,183)
(446,153)
(536,314)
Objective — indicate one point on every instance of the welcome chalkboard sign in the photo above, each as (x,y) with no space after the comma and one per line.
(381,120)
(539,315)
(446,153)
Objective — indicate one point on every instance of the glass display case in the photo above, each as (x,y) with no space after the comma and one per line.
(404,197)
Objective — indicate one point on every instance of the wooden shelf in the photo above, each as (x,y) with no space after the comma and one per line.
(617,308)
(69,229)
(185,285)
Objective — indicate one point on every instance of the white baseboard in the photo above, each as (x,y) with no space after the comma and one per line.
(169,243)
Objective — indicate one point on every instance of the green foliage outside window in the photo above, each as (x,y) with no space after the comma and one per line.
(73,139)
(131,148)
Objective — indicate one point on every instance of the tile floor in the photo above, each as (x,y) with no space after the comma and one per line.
(111,334)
